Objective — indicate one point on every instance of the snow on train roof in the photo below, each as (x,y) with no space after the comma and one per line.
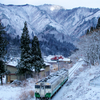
(56,76)
(53,77)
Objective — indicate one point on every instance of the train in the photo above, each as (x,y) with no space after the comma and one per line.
(47,87)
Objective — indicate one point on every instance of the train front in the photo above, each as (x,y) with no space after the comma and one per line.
(43,90)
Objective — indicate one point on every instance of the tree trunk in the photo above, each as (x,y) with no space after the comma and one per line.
(1,80)
(38,74)
(25,76)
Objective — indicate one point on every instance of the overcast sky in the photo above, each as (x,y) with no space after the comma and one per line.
(67,4)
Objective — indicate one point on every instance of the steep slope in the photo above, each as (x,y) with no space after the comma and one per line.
(66,22)
(74,22)
(13,18)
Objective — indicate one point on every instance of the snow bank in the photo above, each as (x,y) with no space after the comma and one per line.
(78,86)
(13,92)
(9,93)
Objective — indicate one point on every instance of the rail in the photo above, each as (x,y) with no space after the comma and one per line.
(77,65)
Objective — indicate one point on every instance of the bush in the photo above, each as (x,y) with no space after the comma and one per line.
(16,82)
(23,96)
(31,93)
(26,95)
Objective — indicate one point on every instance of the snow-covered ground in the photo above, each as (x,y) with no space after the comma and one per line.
(14,92)
(84,84)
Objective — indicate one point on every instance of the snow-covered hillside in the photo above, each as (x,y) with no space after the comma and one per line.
(73,22)
(82,85)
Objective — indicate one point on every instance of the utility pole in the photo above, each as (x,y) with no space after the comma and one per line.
(58,63)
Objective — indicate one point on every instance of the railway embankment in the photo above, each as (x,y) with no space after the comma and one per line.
(84,83)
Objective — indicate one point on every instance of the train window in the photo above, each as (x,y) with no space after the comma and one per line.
(42,87)
(37,86)
(47,86)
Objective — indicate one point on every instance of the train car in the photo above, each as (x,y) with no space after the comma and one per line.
(48,86)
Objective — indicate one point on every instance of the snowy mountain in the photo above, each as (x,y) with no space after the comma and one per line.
(66,24)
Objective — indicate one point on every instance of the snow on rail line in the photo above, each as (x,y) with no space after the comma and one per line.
(60,93)
(75,67)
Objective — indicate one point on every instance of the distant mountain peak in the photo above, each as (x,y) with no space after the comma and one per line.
(55,7)
(73,22)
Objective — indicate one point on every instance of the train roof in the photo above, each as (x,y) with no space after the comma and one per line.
(53,77)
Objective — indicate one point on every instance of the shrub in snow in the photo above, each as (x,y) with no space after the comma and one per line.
(24,83)
(23,96)
(27,81)
(16,82)
(30,80)
(26,95)
(31,93)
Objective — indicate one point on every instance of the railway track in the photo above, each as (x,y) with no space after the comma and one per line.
(56,81)
(74,68)
(59,94)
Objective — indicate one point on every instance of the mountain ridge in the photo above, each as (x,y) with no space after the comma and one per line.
(68,22)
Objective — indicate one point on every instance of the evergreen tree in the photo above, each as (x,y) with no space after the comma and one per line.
(37,60)
(3,41)
(98,24)
(91,29)
(3,44)
(2,70)
(24,64)
(87,32)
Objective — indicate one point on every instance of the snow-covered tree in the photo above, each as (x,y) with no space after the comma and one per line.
(3,44)
(91,47)
(3,41)
(37,60)
(25,64)
(95,42)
